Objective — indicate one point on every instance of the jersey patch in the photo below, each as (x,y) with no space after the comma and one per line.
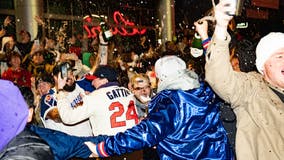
(50,101)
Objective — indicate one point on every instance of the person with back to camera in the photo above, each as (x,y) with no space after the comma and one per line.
(17,141)
(20,139)
(257,98)
(110,108)
(183,120)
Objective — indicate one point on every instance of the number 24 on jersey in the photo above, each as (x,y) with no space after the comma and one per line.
(129,115)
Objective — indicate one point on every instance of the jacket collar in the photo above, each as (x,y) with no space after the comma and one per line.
(109,84)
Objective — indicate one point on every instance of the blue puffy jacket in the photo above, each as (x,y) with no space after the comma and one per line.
(182,124)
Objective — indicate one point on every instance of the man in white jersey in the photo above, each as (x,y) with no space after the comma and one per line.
(73,95)
(110,108)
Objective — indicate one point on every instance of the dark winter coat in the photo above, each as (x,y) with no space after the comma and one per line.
(26,146)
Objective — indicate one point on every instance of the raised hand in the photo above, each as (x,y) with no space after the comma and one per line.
(201,27)
(7,21)
(39,20)
(2,32)
(223,16)
(222,12)
(61,81)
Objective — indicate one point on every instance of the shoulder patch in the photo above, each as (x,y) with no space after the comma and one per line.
(50,100)
(47,98)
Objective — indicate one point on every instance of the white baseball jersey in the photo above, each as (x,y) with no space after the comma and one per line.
(73,99)
(110,110)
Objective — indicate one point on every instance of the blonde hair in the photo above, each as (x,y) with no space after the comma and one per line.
(138,78)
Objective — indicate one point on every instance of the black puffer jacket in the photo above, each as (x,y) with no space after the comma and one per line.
(26,146)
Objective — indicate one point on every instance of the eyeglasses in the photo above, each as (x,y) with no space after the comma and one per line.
(142,88)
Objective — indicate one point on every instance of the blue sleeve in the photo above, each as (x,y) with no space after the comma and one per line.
(86,85)
(149,132)
(65,146)
(46,102)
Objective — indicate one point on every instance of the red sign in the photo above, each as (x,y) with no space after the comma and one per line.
(274,4)
(122,27)
(258,14)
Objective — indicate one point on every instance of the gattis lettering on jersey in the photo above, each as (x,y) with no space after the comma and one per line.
(78,101)
(116,93)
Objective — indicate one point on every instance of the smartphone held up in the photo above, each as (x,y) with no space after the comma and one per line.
(36,44)
(64,70)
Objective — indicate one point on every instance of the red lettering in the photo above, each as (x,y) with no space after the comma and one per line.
(95,30)
(87,30)
(122,27)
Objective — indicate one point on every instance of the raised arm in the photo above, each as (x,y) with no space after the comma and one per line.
(71,115)
(40,30)
(228,84)
(149,132)
(103,50)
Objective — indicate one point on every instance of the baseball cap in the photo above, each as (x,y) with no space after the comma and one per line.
(266,47)
(14,112)
(103,71)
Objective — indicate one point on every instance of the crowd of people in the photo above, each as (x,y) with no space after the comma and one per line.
(208,96)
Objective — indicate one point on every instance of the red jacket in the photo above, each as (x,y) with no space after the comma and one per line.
(20,77)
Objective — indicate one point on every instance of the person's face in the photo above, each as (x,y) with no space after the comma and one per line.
(70,78)
(185,40)
(141,89)
(72,40)
(92,60)
(60,39)
(235,64)
(15,61)
(134,56)
(38,58)
(11,44)
(25,37)
(50,44)
(43,88)
(70,82)
(274,69)
(172,46)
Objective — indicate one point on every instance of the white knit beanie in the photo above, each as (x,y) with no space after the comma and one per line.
(266,47)
(4,41)
(173,74)
(169,66)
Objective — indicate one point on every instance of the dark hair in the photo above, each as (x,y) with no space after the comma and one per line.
(24,31)
(12,54)
(28,96)
(44,77)
(49,57)
(245,51)
(41,52)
